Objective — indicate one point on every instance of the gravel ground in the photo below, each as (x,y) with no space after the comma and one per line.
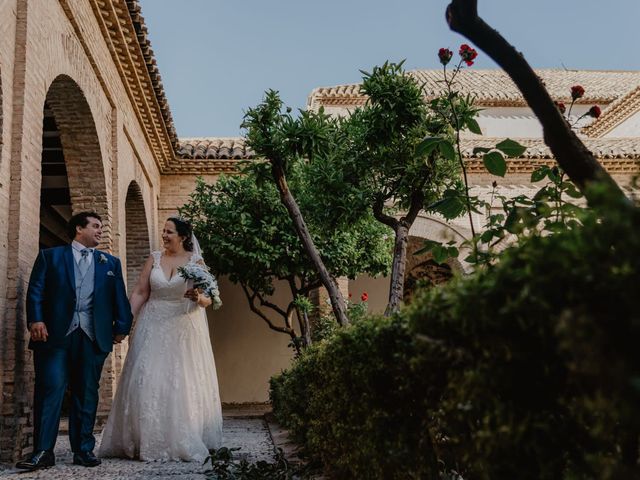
(250,434)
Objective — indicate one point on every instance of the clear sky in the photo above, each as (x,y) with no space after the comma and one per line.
(217,57)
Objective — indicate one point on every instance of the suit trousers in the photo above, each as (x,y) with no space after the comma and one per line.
(77,364)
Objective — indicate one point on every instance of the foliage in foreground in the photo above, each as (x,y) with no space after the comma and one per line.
(527,369)
(225,467)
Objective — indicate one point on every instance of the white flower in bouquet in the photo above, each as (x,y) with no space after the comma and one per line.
(203,280)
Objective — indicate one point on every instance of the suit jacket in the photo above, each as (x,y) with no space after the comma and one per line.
(51,297)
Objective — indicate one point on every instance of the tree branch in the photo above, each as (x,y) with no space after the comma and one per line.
(382,217)
(251,298)
(571,154)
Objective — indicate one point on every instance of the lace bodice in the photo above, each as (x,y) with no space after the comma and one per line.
(168,289)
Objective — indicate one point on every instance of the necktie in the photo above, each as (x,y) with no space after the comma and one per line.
(83,263)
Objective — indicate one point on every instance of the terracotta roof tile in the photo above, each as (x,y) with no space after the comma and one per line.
(235,149)
(494,87)
(213,148)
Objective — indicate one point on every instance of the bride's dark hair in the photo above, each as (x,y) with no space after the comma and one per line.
(184,229)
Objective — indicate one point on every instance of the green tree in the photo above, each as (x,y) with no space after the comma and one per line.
(285,141)
(247,234)
(383,156)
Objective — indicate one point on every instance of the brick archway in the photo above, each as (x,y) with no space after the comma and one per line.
(138,243)
(69,126)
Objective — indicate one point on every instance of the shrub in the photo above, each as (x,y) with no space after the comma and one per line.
(542,376)
(356,402)
(527,369)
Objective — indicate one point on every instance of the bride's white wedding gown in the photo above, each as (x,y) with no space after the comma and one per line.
(167,405)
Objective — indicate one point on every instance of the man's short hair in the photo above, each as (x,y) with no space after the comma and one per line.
(80,220)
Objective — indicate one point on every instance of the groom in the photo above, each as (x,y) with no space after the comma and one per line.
(76,309)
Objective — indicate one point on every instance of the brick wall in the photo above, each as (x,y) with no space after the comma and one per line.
(42,58)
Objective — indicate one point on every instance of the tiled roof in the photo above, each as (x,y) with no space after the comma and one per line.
(617,156)
(495,88)
(602,148)
(152,67)
(213,148)
(235,148)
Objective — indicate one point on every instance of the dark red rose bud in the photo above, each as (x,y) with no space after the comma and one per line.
(595,111)
(494,184)
(577,92)
(561,106)
(444,54)
(468,54)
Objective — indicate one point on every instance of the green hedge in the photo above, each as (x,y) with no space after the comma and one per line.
(526,370)
(351,401)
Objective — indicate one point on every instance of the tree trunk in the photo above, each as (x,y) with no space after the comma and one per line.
(570,153)
(401,228)
(396,289)
(337,300)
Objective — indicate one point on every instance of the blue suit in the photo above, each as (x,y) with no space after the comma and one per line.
(72,359)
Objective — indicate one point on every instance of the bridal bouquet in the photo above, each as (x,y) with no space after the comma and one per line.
(203,280)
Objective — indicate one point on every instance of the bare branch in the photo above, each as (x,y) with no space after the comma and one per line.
(572,155)
(251,298)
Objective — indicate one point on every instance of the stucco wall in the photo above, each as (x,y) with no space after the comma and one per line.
(247,352)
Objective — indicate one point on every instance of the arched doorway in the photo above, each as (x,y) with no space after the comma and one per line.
(73,179)
(73,170)
(137,234)
(55,198)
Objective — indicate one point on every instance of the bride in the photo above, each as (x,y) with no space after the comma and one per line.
(167,405)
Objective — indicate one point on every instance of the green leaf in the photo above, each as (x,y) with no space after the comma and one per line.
(447,150)
(473,126)
(486,236)
(426,146)
(511,148)
(440,254)
(570,189)
(478,150)
(429,245)
(451,206)
(511,221)
(539,174)
(495,163)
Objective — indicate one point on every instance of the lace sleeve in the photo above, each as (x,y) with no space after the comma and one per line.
(156,258)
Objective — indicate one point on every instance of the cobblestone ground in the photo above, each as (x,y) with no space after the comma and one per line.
(250,434)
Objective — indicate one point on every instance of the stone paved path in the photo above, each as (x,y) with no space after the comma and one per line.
(251,434)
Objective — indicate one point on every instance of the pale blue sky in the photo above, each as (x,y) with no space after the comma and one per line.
(218,57)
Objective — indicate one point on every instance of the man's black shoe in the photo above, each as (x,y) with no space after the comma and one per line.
(86,459)
(38,460)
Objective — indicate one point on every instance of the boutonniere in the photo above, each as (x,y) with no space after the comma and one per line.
(102,258)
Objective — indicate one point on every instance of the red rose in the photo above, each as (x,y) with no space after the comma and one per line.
(577,92)
(468,54)
(444,54)
(595,111)
(364,297)
(561,106)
